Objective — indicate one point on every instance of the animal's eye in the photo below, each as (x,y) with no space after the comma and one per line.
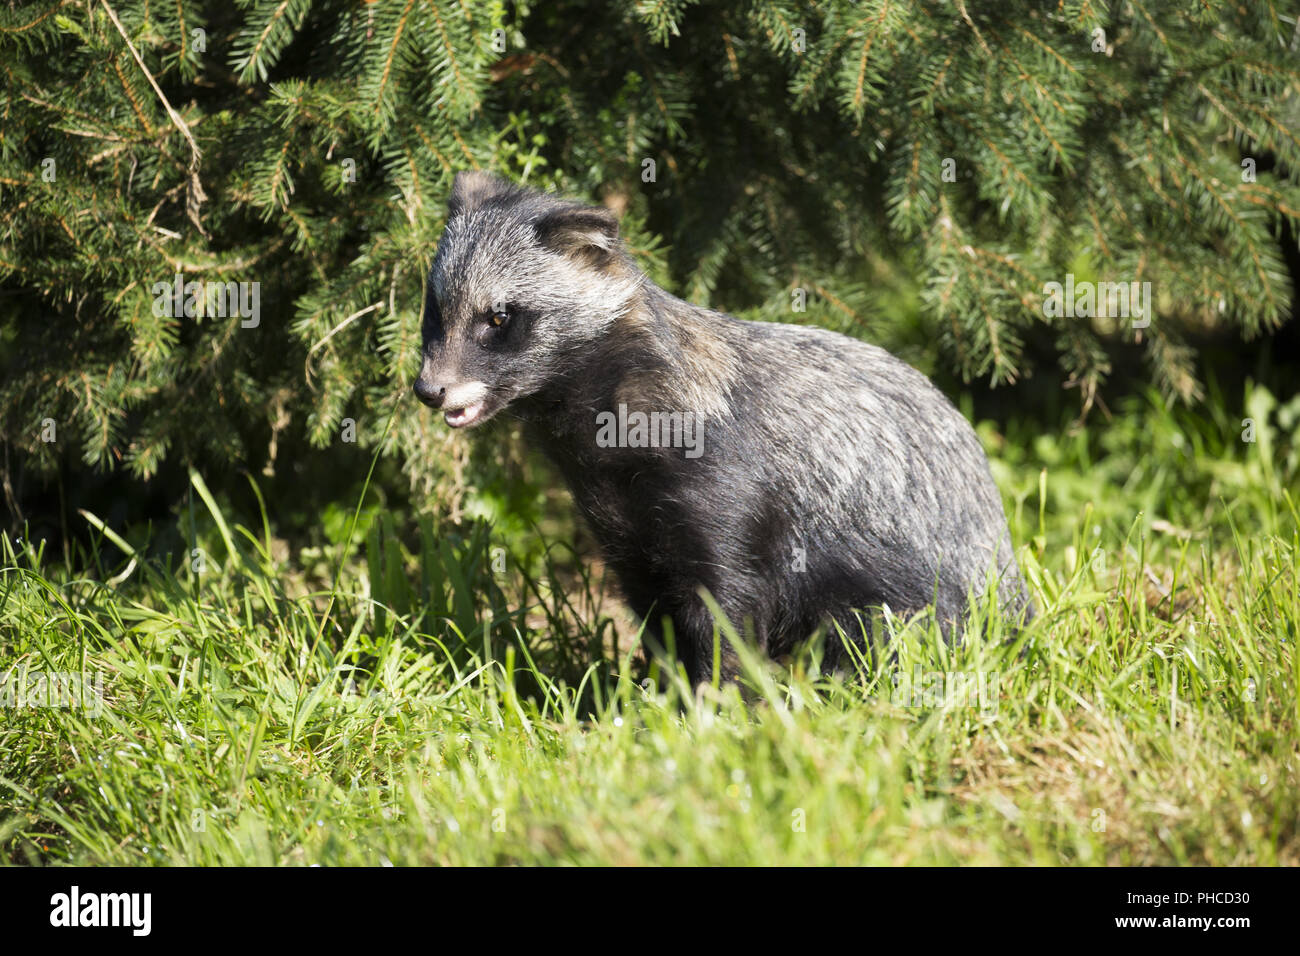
(498,319)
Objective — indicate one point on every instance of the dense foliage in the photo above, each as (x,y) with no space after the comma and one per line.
(929,166)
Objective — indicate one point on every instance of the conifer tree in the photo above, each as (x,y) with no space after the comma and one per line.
(940,162)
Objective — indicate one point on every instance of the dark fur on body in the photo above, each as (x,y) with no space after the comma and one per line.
(814,444)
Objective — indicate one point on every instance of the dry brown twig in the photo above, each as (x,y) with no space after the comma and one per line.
(194,195)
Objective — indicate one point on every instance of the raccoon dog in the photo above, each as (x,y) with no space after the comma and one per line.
(794,474)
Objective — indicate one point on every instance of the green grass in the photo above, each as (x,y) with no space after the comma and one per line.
(416,704)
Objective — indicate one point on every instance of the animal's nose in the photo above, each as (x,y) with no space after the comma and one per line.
(429,393)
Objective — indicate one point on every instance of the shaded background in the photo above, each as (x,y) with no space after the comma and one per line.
(753,150)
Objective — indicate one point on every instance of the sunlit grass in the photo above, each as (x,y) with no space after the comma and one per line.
(427,707)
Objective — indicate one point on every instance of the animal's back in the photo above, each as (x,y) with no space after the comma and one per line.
(832,477)
(874,488)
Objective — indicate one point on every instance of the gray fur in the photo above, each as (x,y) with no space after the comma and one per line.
(815,444)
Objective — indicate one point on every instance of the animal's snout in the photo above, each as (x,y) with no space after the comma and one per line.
(462,403)
(431,393)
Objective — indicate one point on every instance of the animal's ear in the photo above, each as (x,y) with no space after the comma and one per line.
(588,232)
(472,188)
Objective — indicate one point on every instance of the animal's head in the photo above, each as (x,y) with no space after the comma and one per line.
(521,283)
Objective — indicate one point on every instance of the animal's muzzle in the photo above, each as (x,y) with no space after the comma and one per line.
(431,393)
